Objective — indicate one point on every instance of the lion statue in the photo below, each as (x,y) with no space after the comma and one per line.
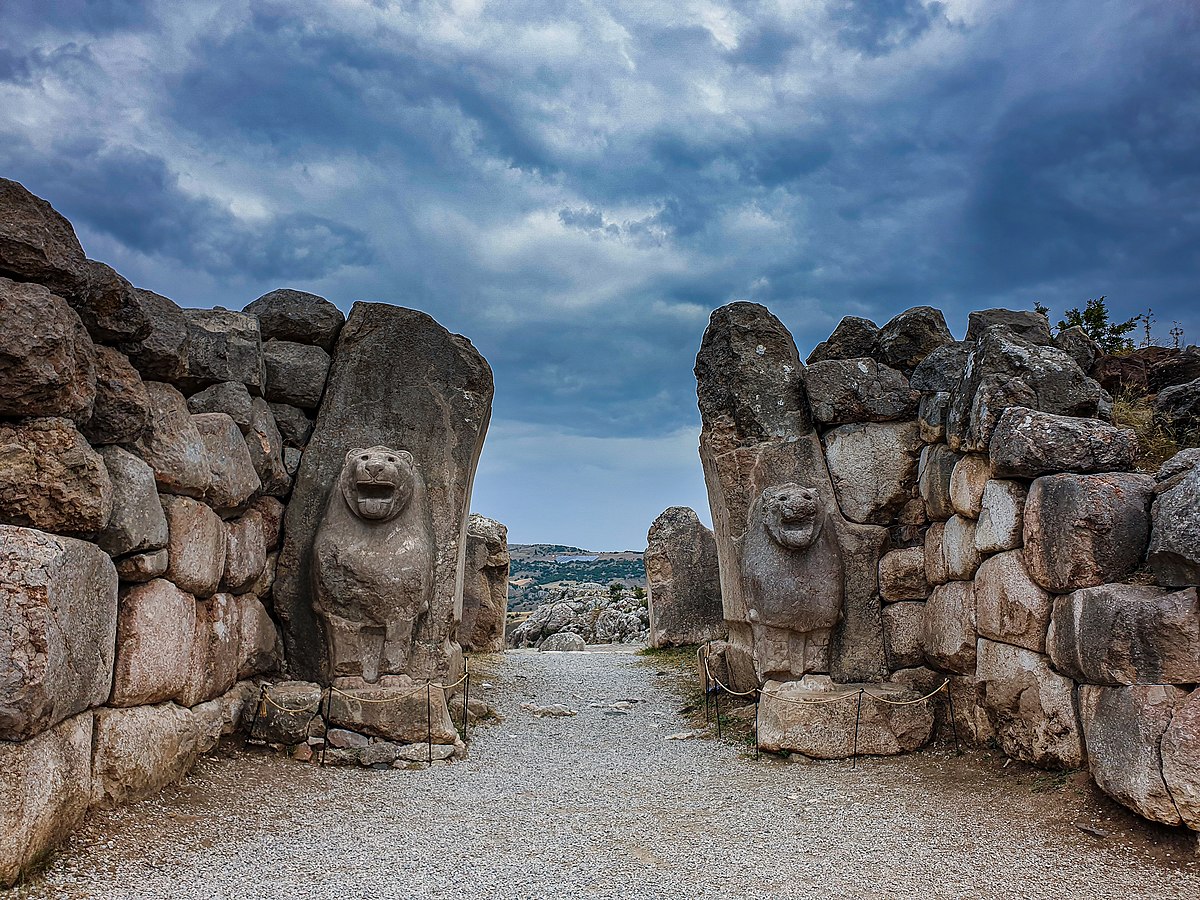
(792,577)
(373,563)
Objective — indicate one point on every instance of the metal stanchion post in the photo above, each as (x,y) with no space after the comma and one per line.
(466,701)
(717,705)
(757,697)
(259,711)
(429,722)
(328,715)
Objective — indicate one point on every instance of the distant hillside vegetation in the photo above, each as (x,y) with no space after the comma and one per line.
(535,566)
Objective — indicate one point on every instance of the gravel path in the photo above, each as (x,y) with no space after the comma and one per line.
(602,805)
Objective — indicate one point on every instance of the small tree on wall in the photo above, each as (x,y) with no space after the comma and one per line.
(1110,337)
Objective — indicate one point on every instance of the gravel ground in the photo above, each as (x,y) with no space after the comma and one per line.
(602,805)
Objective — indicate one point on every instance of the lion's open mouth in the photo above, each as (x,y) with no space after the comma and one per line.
(376,490)
(376,499)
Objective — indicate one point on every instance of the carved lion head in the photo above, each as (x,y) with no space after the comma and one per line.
(378,482)
(792,514)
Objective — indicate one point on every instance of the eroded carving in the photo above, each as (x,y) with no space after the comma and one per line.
(373,563)
(793,581)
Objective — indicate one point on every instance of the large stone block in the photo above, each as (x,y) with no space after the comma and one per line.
(902,623)
(1174,552)
(410,711)
(162,354)
(858,390)
(1001,516)
(140,750)
(1028,443)
(1031,708)
(948,627)
(223,346)
(246,552)
(1085,530)
(1009,606)
(259,648)
(485,586)
(295,427)
(935,558)
(296,373)
(289,315)
(266,450)
(902,575)
(51,478)
(968,479)
(137,524)
(1123,728)
(1033,326)
(434,403)
(229,397)
(684,580)
(1077,344)
(853,338)
(47,360)
(284,716)
(196,545)
(156,629)
(941,371)
(909,337)
(1127,634)
(172,445)
(874,468)
(58,624)
(45,790)
(122,411)
(233,479)
(1180,750)
(215,660)
(142,567)
(961,556)
(934,472)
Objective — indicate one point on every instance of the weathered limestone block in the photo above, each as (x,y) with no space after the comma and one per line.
(1174,553)
(195,545)
(213,668)
(684,580)
(435,403)
(911,336)
(140,750)
(122,411)
(162,354)
(1033,326)
(295,427)
(1127,634)
(289,315)
(58,625)
(137,524)
(107,303)
(826,730)
(403,719)
(223,715)
(1009,607)
(266,580)
(1001,516)
(271,511)
(935,557)
(1178,406)
(874,468)
(229,397)
(1032,709)
(266,450)
(296,373)
(51,479)
(1085,530)
(233,479)
(286,717)
(172,445)
(858,390)
(223,346)
(902,623)
(934,472)
(1028,443)
(563,642)
(948,632)
(968,479)
(259,648)
(1180,750)
(45,790)
(943,368)
(902,575)
(931,417)
(155,632)
(246,552)
(853,338)
(141,567)
(485,586)
(1123,728)
(1077,344)
(958,549)
(47,360)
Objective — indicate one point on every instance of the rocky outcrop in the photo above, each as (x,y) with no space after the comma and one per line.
(591,611)
(683,580)
(485,586)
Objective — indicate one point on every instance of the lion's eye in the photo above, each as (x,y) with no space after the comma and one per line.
(364,458)
(391,459)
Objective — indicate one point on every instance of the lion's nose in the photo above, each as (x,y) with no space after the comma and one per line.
(374,469)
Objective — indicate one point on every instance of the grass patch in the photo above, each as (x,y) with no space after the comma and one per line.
(1156,442)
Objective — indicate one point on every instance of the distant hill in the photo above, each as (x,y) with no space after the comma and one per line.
(536,566)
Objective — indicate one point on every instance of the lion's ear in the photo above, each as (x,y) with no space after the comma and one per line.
(406,456)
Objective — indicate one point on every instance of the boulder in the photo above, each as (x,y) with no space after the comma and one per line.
(1122,729)
(271,511)
(853,338)
(289,315)
(1078,345)
(45,790)
(259,648)
(245,553)
(1129,371)
(296,373)
(911,336)
(142,749)
(968,478)
(1085,530)
(266,451)
(195,545)
(902,623)
(683,579)
(295,427)
(229,397)
(223,346)
(108,304)
(858,390)
(1032,326)
(948,627)
(266,580)
(874,468)
(1178,407)
(141,567)
(935,557)
(942,369)
(51,478)
(232,477)
(1028,443)
(1180,750)
(163,353)
(1001,516)
(931,417)
(47,360)
(1127,634)
(817,719)
(934,471)
(1178,368)
(223,715)
(172,445)
(902,575)
(122,410)
(958,549)
(414,712)
(485,586)
(1030,707)
(284,716)
(1175,469)
(155,631)
(435,403)
(214,663)
(563,641)
(58,624)
(137,523)
(1009,607)
(1174,552)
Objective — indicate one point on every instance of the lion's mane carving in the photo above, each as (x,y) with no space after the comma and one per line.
(373,563)
(792,575)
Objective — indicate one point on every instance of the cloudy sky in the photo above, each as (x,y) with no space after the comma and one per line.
(576,186)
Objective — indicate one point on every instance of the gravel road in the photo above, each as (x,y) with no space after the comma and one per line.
(603,805)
